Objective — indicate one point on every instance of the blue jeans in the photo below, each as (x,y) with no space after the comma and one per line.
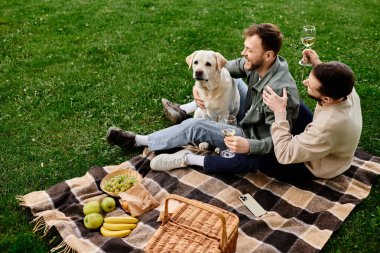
(267,163)
(190,130)
(196,130)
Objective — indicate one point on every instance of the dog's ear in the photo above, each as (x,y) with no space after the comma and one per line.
(221,61)
(189,59)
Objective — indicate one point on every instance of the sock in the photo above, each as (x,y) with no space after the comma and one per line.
(189,107)
(141,140)
(193,159)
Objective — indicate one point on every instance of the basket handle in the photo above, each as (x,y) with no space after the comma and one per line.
(223,242)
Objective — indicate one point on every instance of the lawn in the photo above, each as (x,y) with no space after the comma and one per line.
(71,69)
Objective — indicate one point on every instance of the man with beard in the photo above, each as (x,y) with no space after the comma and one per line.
(328,144)
(260,65)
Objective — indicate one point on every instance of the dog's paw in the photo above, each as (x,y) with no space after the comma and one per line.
(203,146)
(217,150)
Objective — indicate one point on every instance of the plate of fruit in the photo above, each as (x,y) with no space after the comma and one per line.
(119,181)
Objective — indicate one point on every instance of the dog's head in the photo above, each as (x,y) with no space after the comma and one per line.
(205,64)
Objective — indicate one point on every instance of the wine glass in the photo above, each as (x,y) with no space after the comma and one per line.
(228,129)
(307,38)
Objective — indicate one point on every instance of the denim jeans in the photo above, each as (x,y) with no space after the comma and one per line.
(196,130)
(190,130)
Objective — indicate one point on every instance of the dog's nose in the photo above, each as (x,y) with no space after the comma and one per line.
(199,73)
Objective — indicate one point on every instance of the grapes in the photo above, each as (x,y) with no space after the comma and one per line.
(119,183)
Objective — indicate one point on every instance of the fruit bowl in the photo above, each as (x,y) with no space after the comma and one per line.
(121,178)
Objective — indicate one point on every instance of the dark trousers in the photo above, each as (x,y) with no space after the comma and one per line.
(267,163)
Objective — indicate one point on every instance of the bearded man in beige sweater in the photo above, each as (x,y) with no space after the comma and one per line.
(328,143)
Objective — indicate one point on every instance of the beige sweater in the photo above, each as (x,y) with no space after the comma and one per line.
(328,144)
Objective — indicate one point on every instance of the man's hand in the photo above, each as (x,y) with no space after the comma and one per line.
(237,144)
(198,100)
(274,101)
(310,56)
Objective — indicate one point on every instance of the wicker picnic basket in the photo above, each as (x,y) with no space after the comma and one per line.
(195,227)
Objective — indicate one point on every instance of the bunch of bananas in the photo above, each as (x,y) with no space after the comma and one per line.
(119,226)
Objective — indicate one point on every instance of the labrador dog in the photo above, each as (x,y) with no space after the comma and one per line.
(214,85)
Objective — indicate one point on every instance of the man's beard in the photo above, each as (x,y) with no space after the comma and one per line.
(257,65)
(315,98)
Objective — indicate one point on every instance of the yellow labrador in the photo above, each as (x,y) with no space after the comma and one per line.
(214,84)
(215,87)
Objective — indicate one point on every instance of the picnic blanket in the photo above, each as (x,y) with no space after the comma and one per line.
(300,218)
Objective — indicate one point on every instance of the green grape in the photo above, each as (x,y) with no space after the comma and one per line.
(120,183)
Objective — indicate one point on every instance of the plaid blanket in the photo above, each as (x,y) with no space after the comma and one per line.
(300,218)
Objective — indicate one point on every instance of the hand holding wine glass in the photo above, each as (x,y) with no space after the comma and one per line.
(308,35)
(228,129)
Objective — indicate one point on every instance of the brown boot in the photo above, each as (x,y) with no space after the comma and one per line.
(123,139)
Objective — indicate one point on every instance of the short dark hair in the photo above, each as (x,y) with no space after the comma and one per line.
(337,79)
(271,36)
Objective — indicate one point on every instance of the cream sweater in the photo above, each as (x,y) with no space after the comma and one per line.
(328,144)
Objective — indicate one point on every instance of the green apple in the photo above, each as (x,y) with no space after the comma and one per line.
(108,204)
(91,207)
(93,220)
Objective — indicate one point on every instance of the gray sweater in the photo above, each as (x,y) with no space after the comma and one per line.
(259,118)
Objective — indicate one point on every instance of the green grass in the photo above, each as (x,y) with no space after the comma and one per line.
(70,69)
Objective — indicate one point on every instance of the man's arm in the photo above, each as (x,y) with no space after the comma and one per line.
(236,68)
(197,98)
(308,146)
(242,145)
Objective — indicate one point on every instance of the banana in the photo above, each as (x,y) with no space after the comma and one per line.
(117,227)
(117,234)
(121,219)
